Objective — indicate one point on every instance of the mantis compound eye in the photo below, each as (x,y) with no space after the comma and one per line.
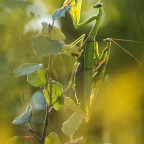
(98,5)
(107,40)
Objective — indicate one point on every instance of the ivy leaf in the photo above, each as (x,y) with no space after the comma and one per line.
(26,69)
(38,101)
(52,31)
(71,51)
(52,93)
(60,12)
(77,141)
(52,139)
(72,124)
(37,78)
(44,46)
(69,103)
(25,117)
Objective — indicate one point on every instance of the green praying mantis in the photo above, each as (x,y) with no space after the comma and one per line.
(91,65)
(87,74)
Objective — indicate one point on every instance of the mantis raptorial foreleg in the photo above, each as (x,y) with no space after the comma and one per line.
(80,39)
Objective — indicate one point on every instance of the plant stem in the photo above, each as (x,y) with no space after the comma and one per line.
(48,111)
(46,122)
(33,132)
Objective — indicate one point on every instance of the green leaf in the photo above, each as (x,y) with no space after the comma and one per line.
(44,30)
(52,93)
(44,46)
(52,31)
(72,124)
(60,12)
(38,101)
(24,118)
(37,78)
(26,69)
(71,51)
(69,103)
(52,139)
(22,140)
(56,34)
(77,141)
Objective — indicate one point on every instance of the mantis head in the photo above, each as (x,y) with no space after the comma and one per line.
(107,40)
(98,5)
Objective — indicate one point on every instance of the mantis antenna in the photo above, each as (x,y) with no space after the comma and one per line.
(125,40)
(113,40)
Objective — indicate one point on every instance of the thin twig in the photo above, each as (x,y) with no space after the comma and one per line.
(52,23)
(48,111)
(33,132)
(48,63)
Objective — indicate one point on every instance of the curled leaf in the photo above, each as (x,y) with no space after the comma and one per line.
(60,12)
(72,124)
(26,69)
(25,117)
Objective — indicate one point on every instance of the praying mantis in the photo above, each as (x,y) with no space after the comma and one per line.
(91,65)
(84,78)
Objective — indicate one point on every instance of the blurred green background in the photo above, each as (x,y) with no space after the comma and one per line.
(119,112)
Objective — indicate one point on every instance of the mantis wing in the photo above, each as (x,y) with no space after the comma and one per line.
(75,11)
